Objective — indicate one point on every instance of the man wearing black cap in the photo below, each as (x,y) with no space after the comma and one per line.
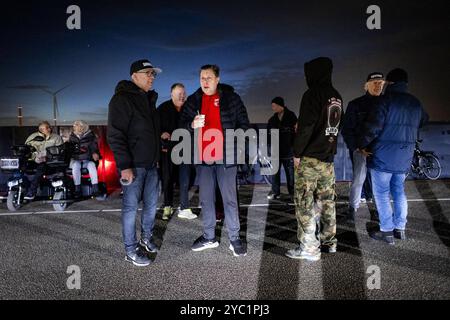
(388,138)
(284,120)
(355,117)
(134,137)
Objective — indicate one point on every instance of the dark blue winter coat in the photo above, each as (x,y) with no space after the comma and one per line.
(391,130)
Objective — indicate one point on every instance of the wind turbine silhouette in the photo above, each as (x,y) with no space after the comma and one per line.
(55,102)
(45,89)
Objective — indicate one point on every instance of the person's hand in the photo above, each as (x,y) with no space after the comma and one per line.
(164,150)
(165,136)
(127,175)
(295,127)
(199,121)
(364,152)
(95,156)
(296,163)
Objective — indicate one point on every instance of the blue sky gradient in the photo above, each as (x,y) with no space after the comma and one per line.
(261,48)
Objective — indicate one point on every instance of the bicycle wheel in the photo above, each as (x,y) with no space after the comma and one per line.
(431,167)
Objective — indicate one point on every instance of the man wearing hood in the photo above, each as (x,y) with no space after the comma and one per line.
(134,138)
(388,140)
(216,107)
(315,145)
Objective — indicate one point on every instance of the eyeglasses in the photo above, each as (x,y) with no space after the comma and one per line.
(152,73)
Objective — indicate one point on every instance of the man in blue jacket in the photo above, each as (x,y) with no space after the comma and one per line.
(388,140)
(355,117)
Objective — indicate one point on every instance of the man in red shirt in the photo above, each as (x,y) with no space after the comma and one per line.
(208,113)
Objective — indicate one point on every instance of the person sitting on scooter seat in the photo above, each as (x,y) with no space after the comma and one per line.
(86,152)
(40,155)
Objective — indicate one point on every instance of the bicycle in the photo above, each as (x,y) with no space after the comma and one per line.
(425,163)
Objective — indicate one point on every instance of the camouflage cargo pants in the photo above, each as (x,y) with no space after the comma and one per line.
(315,204)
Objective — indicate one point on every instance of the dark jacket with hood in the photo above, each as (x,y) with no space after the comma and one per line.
(133,127)
(391,130)
(84,145)
(286,131)
(233,115)
(320,114)
(355,117)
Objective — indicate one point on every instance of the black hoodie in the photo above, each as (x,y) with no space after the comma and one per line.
(320,113)
(133,127)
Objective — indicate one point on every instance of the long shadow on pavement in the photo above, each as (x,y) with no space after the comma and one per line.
(279,275)
(344,276)
(440,222)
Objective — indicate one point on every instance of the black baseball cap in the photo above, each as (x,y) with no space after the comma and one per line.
(375,76)
(143,64)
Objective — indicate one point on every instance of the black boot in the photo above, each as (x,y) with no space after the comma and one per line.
(387,237)
(77,192)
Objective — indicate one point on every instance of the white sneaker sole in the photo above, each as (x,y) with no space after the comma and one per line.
(181,216)
(209,246)
(235,254)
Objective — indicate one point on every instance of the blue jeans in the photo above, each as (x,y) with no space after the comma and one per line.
(144,187)
(366,191)
(208,177)
(385,184)
(359,177)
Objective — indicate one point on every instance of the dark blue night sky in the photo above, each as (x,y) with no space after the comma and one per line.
(260,46)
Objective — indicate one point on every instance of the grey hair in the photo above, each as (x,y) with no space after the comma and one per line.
(84,126)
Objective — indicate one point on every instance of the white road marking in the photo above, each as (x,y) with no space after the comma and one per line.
(242,206)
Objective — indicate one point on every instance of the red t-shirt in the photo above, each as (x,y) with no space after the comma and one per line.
(210,145)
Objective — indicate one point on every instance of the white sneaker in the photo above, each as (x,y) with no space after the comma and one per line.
(363,200)
(186,214)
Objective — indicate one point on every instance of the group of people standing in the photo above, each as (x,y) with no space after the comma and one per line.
(139,135)
(380,132)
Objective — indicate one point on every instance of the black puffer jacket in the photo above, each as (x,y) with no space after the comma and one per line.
(233,115)
(320,113)
(133,127)
(84,145)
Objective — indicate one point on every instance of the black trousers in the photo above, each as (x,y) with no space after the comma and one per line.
(169,175)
